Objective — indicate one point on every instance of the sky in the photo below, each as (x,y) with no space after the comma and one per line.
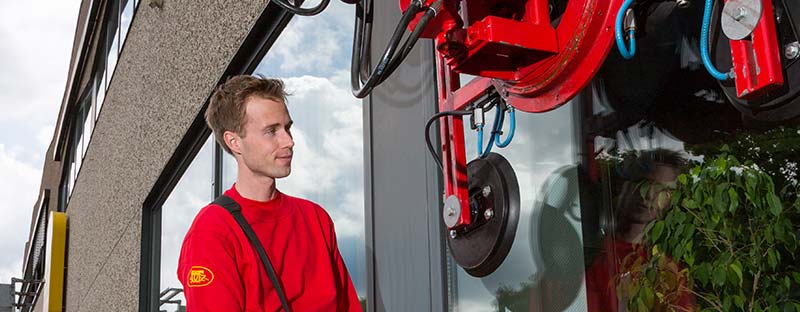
(35,45)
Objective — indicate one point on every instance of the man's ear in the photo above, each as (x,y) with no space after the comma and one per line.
(232,140)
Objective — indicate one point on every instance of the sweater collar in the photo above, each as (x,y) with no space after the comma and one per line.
(257,211)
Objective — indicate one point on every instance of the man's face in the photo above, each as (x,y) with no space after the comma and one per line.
(266,148)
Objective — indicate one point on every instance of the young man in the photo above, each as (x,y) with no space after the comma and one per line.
(219,269)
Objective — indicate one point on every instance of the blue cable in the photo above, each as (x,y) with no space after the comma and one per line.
(511,126)
(494,138)
(480,140)
(491,143)
(623,49)
(704,45)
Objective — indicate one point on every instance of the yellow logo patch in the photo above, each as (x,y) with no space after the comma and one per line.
(199,276)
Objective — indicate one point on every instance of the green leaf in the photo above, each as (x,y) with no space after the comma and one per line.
(689,203)
(648,295)
(683,179)
(796,277)
(719,276)
(737,270)
(733,195)
(640,306)
(775,206)
(726,303)
(658,228)
(738,301)
(772,258)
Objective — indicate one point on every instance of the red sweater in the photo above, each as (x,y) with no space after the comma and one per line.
(220,270)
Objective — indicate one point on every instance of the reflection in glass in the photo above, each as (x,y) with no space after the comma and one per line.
(113,54)
(544,269)
(193,192)
(125,20)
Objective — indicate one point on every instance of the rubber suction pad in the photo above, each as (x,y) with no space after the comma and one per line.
(481,247)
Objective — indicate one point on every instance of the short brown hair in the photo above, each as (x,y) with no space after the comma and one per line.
(226,109)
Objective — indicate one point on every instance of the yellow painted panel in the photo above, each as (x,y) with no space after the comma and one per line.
(54,264)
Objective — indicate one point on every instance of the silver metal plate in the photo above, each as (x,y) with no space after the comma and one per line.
(451,211)
(740,17)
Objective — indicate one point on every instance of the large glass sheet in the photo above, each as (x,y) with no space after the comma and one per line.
(637,206)
(312,57)
(543,270)
(193,192)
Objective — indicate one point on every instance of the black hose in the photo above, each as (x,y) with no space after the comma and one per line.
(393,55)
(428,132)
(408,45)
(296,9)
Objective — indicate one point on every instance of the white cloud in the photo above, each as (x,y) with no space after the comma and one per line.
(19,186)
(36,38)
(328,150)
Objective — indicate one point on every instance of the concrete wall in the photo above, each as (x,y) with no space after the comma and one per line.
(171,61)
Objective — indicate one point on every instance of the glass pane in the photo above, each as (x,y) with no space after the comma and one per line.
(88,124)
(193,192)
(327,127)
(544,268)
(70,180)
(229,170)
(125,20)
(638,206)
(101,91)
(113,54)
(77,150)
(683,174)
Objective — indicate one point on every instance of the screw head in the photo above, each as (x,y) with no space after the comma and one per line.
(740,13)
(488,214)
(453,234)
(486,191)
(792,50)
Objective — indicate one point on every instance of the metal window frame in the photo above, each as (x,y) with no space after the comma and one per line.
(269,25)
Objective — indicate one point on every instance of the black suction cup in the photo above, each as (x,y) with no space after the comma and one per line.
(494,208)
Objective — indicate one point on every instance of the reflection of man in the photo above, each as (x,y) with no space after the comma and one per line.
(219,269)
(645,193)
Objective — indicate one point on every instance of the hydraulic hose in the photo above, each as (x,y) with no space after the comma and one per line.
(512,124)
(497,129)
(394,53)
(296,9)
(618,30)
(704,54)
(436,117)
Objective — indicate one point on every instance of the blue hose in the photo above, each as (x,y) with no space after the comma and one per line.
(497,120)
(623,48)
(511,126)
(480,141)
(704,44)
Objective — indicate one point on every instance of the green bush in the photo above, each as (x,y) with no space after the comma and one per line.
(729,237)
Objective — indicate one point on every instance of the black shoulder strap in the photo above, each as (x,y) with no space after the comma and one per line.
(236,211)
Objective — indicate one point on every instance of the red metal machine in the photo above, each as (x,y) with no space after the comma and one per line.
(536,57)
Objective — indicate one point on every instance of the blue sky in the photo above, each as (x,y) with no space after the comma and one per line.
(35,45)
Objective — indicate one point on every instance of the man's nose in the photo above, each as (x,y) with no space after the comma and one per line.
(287,140)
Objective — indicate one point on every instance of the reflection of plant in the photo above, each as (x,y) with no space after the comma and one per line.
(508,298)
(734,236)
